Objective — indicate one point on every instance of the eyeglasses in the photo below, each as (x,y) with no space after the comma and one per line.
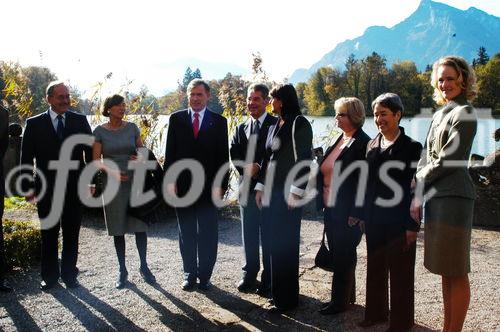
(341,115)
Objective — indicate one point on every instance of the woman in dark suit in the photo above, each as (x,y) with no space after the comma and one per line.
(337,194)
(289,145)
(390,231)
(443,168)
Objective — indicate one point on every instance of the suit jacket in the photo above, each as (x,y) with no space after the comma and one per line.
(404,150)
(40,142)
(4,143)
(239,143)
(210,148)
(346,196)
(280,150)
(450,138)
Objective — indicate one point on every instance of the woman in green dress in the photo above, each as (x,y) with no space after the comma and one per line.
(450,194)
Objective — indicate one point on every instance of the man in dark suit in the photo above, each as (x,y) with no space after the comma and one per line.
(252,225)
(4,142)
(197,136)
(42,140)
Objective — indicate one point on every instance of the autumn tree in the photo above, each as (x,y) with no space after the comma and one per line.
(489,84)
(373,78)
(404,81)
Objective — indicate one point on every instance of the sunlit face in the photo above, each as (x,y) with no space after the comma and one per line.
(117,111)
(198,98)
(59,101)
(256,104)
(386,121)
(343,121)
(448,82)
(276,104)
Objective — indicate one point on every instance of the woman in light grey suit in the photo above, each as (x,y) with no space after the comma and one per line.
(448,186)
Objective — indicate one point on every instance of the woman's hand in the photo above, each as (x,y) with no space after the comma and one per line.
(258,199)
(416,209)
(118,175)
(292,200)
(411,237)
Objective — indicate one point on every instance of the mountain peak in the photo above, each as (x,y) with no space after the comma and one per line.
(433,30)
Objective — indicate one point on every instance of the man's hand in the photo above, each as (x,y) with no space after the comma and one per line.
(416,210)
(218,192)
(411,237)
(252,169)
(31,198)
(292,200)
(172,189)
(258,199)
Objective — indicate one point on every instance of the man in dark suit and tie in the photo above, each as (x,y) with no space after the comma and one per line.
(4,143)
(42,141)
(252,225)
(197,135)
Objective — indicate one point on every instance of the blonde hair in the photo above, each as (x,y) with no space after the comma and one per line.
(354,108)
(466,77)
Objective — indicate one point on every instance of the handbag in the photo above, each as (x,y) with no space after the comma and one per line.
(324,257)
(99,181)
(156,209)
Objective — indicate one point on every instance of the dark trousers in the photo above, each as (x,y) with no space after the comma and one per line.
(388,254)
(253,228)
(70,223)
(343,240)
(198,239)
(2,249)
(284,249)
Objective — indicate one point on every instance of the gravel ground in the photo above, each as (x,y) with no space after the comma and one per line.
(97,305)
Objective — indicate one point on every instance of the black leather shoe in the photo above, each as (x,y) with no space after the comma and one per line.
(204,285)
(47,285)
(72,283)
(188,285)
(331,309)
(245,286)
(279,310)
(371,322)
(147,276)
(122,280)
(4,287)
(264,290)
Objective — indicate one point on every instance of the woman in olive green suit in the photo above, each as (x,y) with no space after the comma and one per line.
(448,186)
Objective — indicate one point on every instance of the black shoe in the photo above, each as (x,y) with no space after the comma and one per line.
(188,285)
(245,286)
(279,310)
(204,285)
(371,322)
(147,275)
(331,309)
(71,283)
(264,290)
(47,285)
(122,280)
(4,287)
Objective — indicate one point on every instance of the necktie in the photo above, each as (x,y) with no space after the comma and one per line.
(196,124)
(256,128)
(60,127)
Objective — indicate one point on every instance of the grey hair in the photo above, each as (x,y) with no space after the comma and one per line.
(52,85)
(354,108)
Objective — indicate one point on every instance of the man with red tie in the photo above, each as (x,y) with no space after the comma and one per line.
(197,136)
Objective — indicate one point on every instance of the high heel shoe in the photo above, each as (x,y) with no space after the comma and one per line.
(122,279)
(147,275)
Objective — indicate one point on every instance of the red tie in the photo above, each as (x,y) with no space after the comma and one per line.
(196,124)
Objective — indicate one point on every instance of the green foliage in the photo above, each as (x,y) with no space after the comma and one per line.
(17,203)
(16,92)
(404,81)
(22,240)
(489,85)
(482,57)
